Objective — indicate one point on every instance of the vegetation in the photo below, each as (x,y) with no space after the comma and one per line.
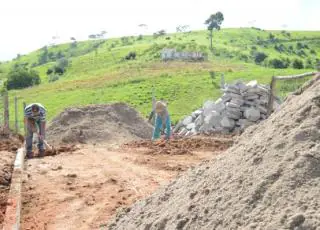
(98,72)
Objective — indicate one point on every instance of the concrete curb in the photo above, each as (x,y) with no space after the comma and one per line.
(13,211)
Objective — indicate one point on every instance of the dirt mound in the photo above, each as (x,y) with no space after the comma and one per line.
(183,146)
(98,123)
(8,146)
(270,179)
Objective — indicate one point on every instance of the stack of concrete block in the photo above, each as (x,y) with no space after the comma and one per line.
(240,106)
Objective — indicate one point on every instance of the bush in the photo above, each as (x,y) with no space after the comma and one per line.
(140,37)
(297,64)
(259,57)
(301,53)
(313,52)
(278,64)
(131,56)
(53,77)
(21,77)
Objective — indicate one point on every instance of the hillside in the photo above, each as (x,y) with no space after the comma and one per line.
(98,73)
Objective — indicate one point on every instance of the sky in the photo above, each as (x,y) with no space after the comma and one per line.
(27,25)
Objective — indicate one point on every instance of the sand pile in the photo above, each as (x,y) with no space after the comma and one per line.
(270,179)
(98,123)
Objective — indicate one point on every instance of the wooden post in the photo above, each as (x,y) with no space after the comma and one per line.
(271,95)
(16,114)
(24,125)
(6,112)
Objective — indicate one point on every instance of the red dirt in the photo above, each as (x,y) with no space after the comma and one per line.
(84,189)
(8,147)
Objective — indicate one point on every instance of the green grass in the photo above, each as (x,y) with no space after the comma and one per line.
(101,76)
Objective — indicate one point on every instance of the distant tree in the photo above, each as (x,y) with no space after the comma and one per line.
(214,22)
(73,39)
(182,28)
(159,33)
(313,52)
(18,56)
(299,45)
(20,77)
(278,64)
(297,64)
(43,58)
(259,57)
(92,36)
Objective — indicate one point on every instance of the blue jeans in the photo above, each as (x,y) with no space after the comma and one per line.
(29,137)
(158,126)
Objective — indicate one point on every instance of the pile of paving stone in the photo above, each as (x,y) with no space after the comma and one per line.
(240,106)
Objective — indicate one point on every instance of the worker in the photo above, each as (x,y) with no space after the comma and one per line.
(162,120)
(35,116)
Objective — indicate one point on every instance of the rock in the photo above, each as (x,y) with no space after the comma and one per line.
(196,113)
(225,98)
(187,120)
(232,105)
(191,126)
(252,114)
(227,123)
(262,109)
(237,101)
(253,83)
(219,107)
(199,121)
(212,120)
(183,132)
(244,123)
(251,97)
(208,107)
(233,115)
(234,111)
(177,127)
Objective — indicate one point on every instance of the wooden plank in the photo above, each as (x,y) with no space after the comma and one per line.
(271,95)
(16,114)
(6,112)
(295,76)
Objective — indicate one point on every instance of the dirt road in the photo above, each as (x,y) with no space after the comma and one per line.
(81,190)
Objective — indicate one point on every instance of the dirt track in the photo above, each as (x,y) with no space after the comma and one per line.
(8,146)
(82,189)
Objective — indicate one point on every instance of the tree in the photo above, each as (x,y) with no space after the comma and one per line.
(214,22)
(259,57)
(21,77)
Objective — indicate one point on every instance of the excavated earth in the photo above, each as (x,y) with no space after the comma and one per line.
(269,179)
(9,144)
(91,172)
(111,123)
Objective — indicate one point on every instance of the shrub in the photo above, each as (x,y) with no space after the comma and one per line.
(278,64)
(301,53)
(53,77)
(131,56)
(297,64)
(313,52)
(140,37)
(21,77)
(259,57)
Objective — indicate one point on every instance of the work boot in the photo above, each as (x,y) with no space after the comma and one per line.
(41,153)
(29,155)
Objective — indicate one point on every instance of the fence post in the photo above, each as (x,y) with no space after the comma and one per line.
(16,113)
(271,96)
(24,125)
(6,112)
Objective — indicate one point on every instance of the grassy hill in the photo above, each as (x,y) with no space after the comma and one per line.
(98,73)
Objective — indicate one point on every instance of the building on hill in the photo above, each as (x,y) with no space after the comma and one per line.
(173,54)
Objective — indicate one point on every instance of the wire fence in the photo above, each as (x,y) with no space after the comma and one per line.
(282,85)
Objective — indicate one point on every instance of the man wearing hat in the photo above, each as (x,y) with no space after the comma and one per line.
(35,115)
(162,119)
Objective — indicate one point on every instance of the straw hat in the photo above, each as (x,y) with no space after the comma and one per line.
(160,106)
